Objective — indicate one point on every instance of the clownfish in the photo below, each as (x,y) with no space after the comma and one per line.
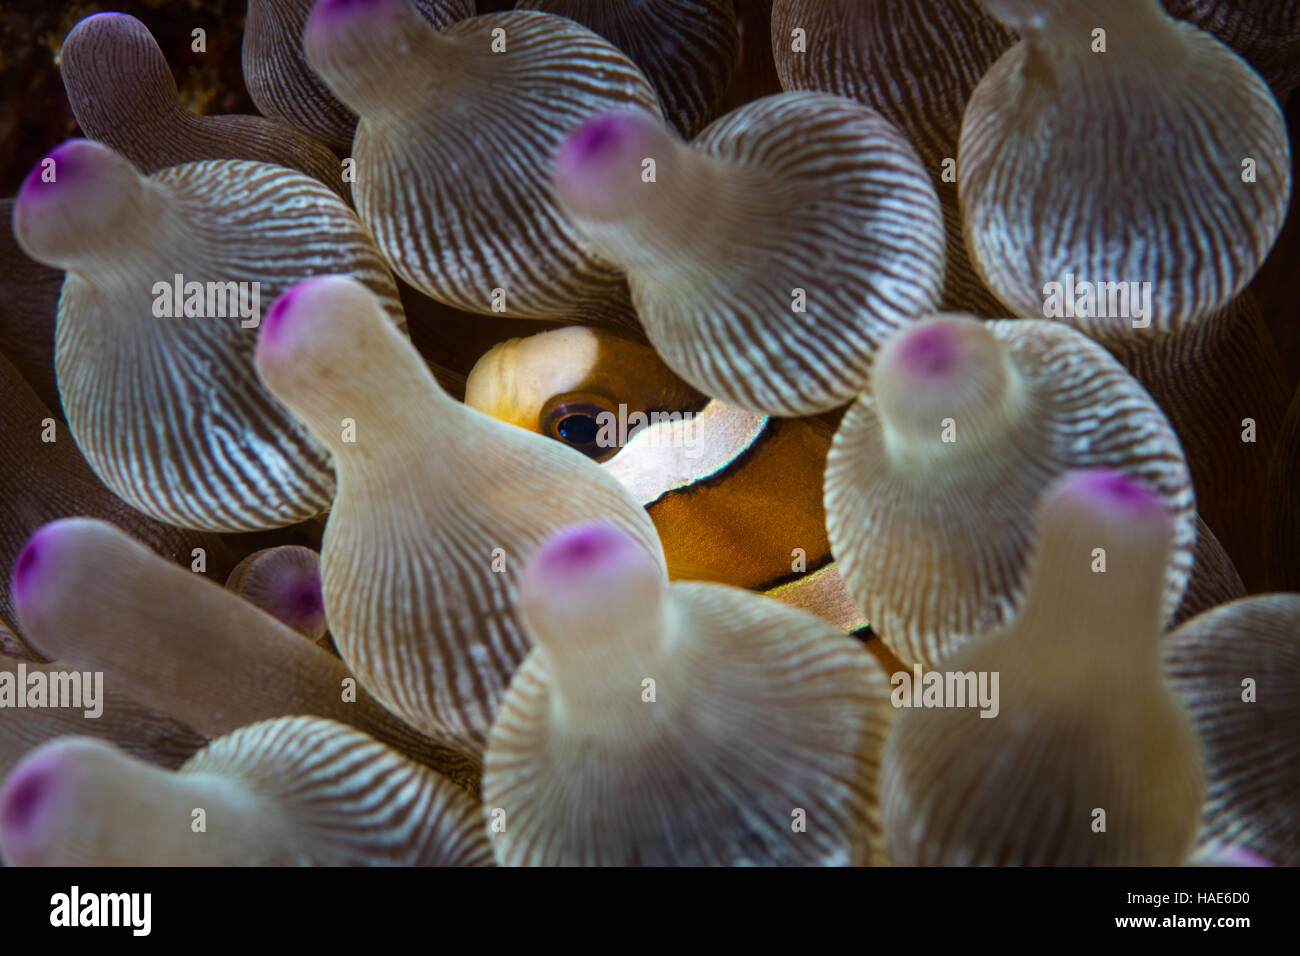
(736,497)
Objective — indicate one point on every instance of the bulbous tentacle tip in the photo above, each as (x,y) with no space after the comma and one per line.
(274,322)
(936,351)
(930,351)
(948,364)
(576,555)
(33,571)
(62,170)
(27,566)
(600,162)
(121,29)
(303,601)
(298,309)
(1103,489)
(284,581)
(28,803)
(597,139)
(54,559)
(586,580)
(329,8)
(331,16)
(76,191)
(23,797)
(369,52)
(110,47)
(107,19)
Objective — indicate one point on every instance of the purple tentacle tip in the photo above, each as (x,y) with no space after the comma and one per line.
(329,9)
(24,795)
(583,548)
(277,322)
(58,167)
(931,351)
(27,569)
(303,599)
(1117,490)
(599,134)
(25,804)
(596,141)
(273,322)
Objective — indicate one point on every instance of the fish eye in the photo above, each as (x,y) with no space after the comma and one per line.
(578,428)
(576,421)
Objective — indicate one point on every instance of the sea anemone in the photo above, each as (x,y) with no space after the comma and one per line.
(687,48)
(437,507)
(695,724)
(47,478)
(282,83)
(487,99)
(768,257)
(1265,32)
(1058,775)
(284,582)
(293,791)
(89,596)
(1222,384)
(157,323)
(1237,669)
(123,94)
(915,62)
(1045,201)
(935,473)
(874,439)
(137,730)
